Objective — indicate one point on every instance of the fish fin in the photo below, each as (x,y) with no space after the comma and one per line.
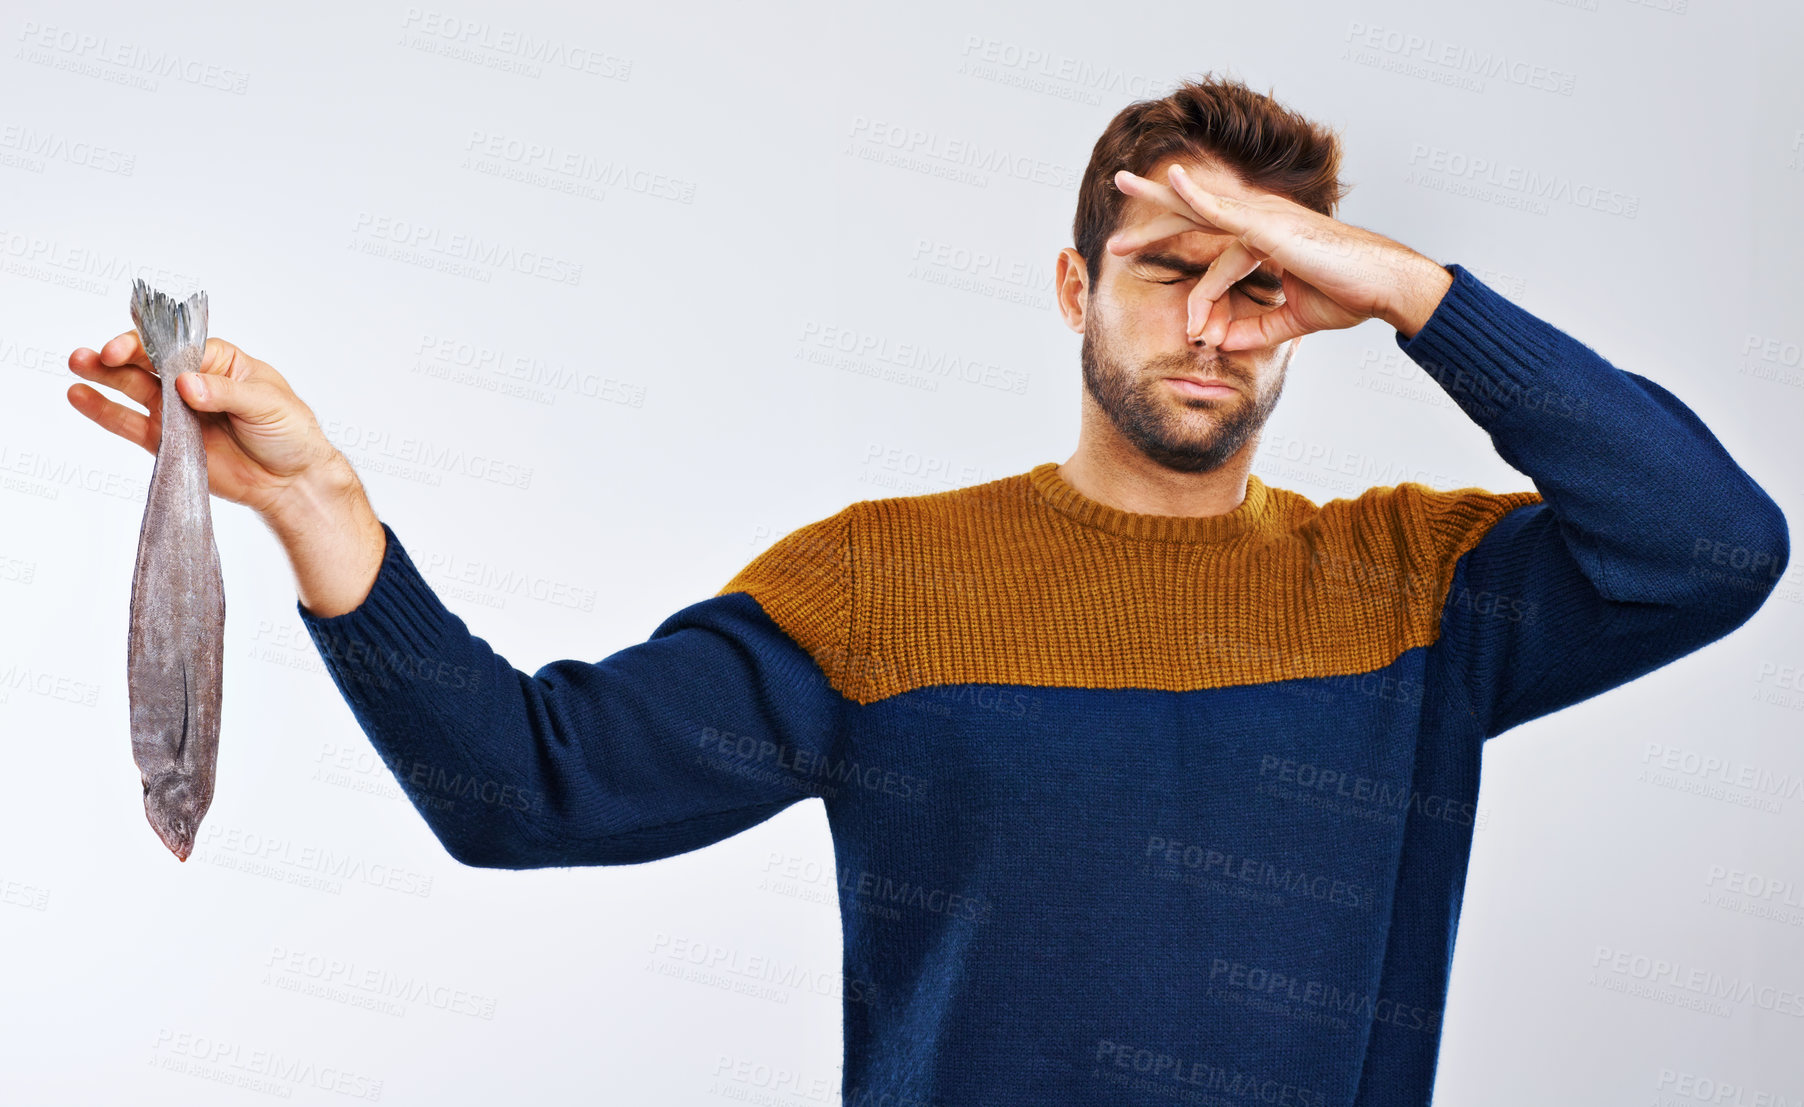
(181,743)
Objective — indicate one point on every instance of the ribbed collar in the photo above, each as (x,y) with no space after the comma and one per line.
(1252,511)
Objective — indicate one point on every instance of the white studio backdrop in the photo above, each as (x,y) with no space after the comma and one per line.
(602,299)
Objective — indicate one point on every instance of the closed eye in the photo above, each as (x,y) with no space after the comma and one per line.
(1240,288)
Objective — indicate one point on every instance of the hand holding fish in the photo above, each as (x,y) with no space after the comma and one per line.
(261,440)
(264,449)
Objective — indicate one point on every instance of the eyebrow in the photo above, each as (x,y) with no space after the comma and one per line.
(1261,278)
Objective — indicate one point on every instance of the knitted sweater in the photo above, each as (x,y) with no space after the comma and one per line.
(1125,808)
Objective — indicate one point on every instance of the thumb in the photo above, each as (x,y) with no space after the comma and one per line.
(217,392)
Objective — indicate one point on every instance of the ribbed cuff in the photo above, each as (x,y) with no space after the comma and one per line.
(1490,355)
(399,625)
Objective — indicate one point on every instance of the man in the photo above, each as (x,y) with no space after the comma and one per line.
(1146,779)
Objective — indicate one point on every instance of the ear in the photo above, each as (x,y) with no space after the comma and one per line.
(1071,286)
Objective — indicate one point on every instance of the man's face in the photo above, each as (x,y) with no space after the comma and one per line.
(1134,327)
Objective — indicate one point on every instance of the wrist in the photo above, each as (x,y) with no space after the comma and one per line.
(315,499)
(1416,295)
(334,541)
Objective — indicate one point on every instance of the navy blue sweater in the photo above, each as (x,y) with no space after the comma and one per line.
(1125,808)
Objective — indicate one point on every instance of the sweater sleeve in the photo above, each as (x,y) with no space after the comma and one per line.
(1646,541)
(718,721)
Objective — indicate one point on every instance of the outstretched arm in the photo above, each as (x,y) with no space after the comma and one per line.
(714,724)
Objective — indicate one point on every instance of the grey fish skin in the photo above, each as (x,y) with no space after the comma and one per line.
(176,650)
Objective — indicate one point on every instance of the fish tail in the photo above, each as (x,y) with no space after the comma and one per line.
(166,324)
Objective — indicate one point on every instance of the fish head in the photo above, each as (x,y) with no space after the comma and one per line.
(175,808)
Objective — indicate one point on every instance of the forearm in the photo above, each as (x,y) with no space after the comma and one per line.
(444,712)
(332,537)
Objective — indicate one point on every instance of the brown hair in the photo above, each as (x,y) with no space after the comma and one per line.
(1219,122)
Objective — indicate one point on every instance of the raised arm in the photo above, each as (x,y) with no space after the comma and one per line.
(1649,541)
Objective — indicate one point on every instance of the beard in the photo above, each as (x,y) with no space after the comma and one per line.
(1139,403)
